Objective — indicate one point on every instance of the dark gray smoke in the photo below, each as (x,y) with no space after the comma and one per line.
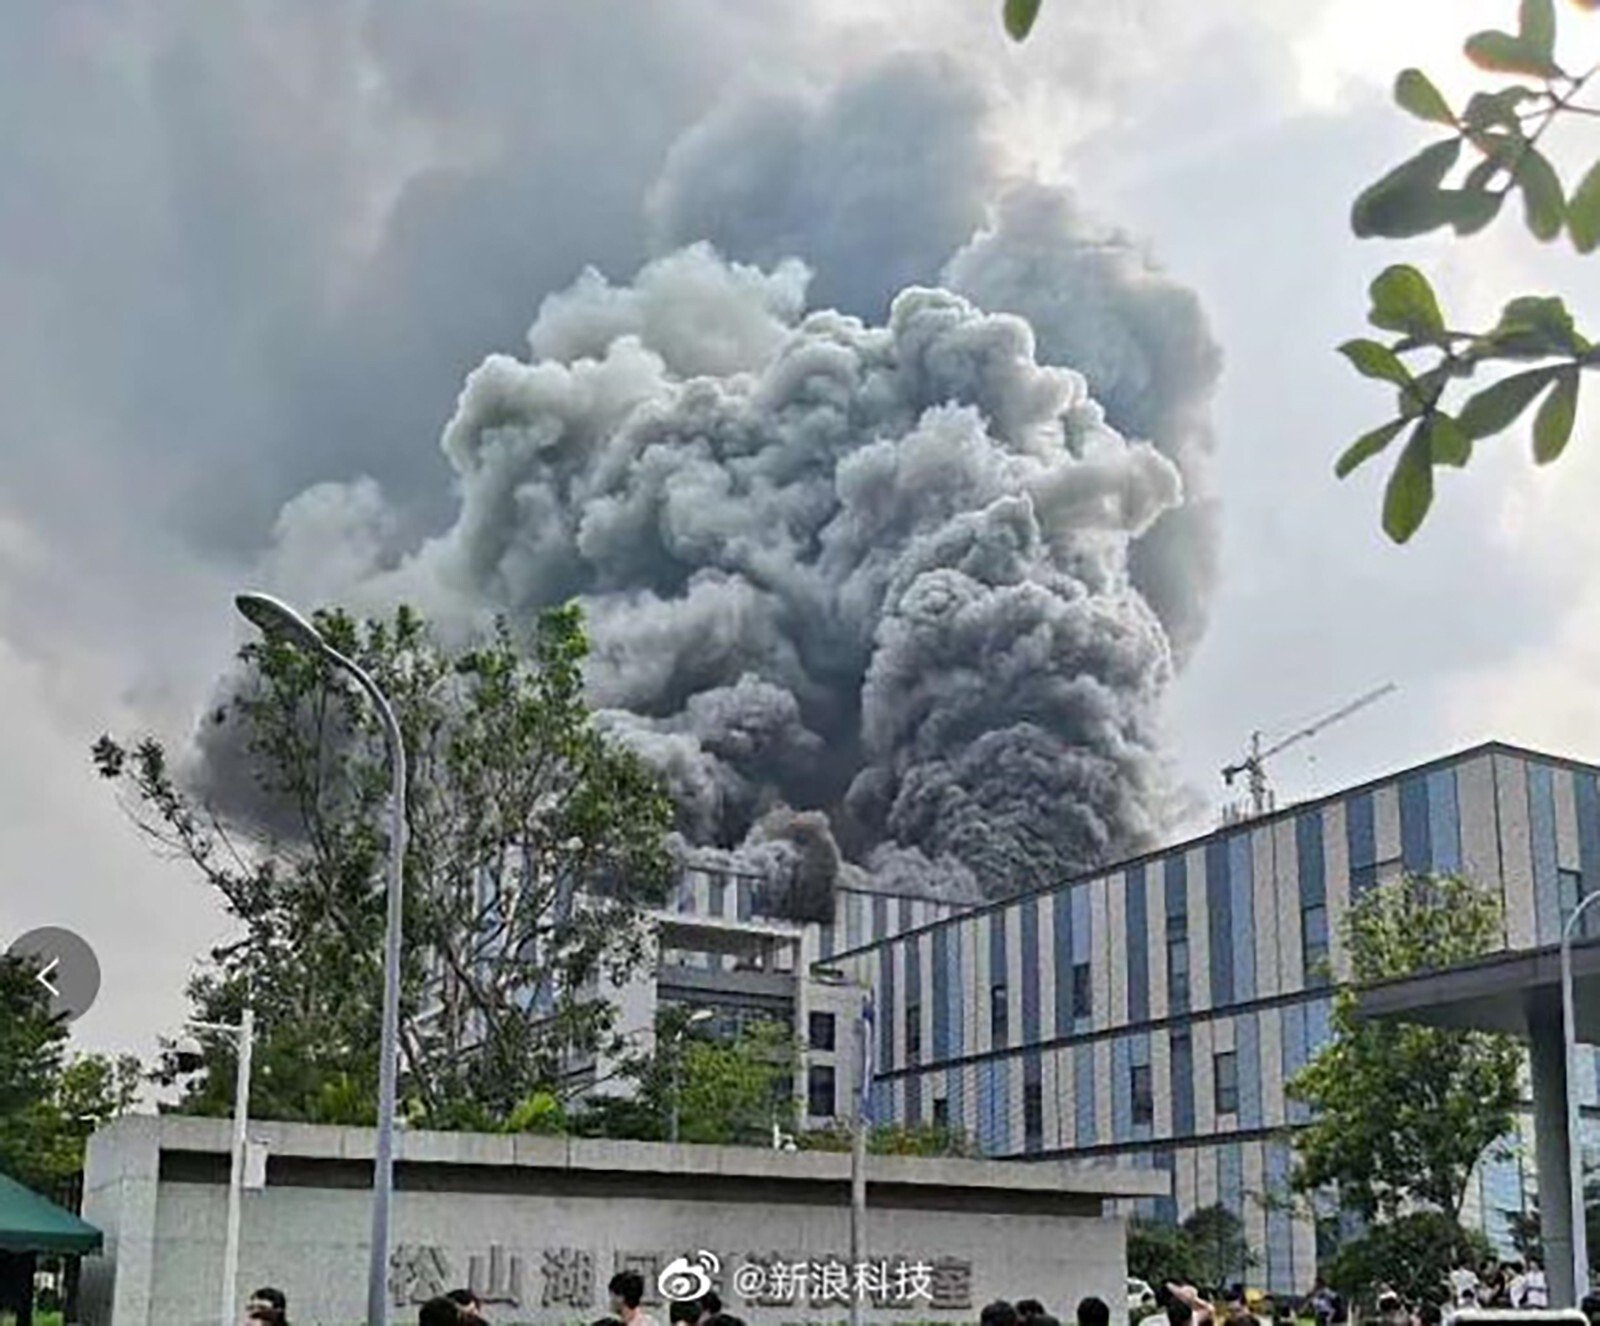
(879,184)
(877,571)
(880,586)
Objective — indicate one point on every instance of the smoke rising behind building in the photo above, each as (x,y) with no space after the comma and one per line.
(892,581)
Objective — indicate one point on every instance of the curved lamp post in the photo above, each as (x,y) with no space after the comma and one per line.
(1569,1032)
(675,1046)
(865,1023)
(1575,1146)
(278,620)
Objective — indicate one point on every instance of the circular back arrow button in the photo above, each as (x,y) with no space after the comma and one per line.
(65,966)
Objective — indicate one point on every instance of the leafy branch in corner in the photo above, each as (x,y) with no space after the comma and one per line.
(1499,133)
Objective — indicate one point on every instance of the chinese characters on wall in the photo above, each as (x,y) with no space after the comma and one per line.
(574,1279)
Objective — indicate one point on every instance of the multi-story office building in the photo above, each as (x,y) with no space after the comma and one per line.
(727,944)
(1151,1013)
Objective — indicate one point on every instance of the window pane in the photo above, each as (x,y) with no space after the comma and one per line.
(1178,976)
(1227,1082)
(1362,878)
(941,1112)
(1082,991)
(823,1031)
(913,1033)
(1314,945)
(1033,1116)
(820,1091)
(999,1017)
(1144,1108)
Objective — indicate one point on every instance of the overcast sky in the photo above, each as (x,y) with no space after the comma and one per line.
(243,255)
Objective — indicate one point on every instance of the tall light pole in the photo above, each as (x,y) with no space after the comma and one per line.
(1569,1032)
(244,1036)
(277,619)
(864,1022)
(676,1045)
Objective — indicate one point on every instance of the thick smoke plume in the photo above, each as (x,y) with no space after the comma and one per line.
(893,586)
(876,571)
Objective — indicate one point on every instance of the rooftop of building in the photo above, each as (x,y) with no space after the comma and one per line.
(1276,815)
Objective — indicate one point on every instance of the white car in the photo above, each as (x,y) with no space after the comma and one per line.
(1140,1295)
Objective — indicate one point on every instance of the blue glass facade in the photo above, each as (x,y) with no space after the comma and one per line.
(1081,1041)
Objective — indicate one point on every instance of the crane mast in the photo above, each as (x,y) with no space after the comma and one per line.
(1253,764)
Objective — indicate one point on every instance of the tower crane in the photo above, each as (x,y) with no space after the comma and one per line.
(1252,766)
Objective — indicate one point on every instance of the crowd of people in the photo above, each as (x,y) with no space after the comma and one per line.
(1510,1284)
(462,1307)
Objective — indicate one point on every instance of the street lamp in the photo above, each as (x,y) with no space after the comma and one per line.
(1569,1032)
(244,1037)
(277,619)
(695,1019)
(858,1122)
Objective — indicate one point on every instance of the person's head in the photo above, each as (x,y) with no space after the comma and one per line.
(998,1313)
(441,1311)
(627,1292)
(725,1319)
(1179,1313)
(605,1321)
(1044,1319)
(1029,1308)
(268,1305)
(470,1304)
(710,1306)
(1093,1311)
(686,1311)
(1429,1314)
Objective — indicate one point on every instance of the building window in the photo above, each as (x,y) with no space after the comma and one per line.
(1314,945)
(1182,1083)
(1226,1077)
(1144,1102)
(941,1112)
(1569,891)
(1082,991)
(820,1091)
(1033,1116)
(913,1033)
(1362,879)
(823,1031)
(1178,975)
(999,1017)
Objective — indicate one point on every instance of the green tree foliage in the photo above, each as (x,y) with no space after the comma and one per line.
(1413,1253)
(1160,1254)
(1221,1250)
(1209,1248)
(533,842)
(895,1139)
(1402,1113)
(50,1100)
(1491,148)
(730,1092)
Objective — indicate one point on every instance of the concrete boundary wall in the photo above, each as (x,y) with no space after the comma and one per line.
(538,1225)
